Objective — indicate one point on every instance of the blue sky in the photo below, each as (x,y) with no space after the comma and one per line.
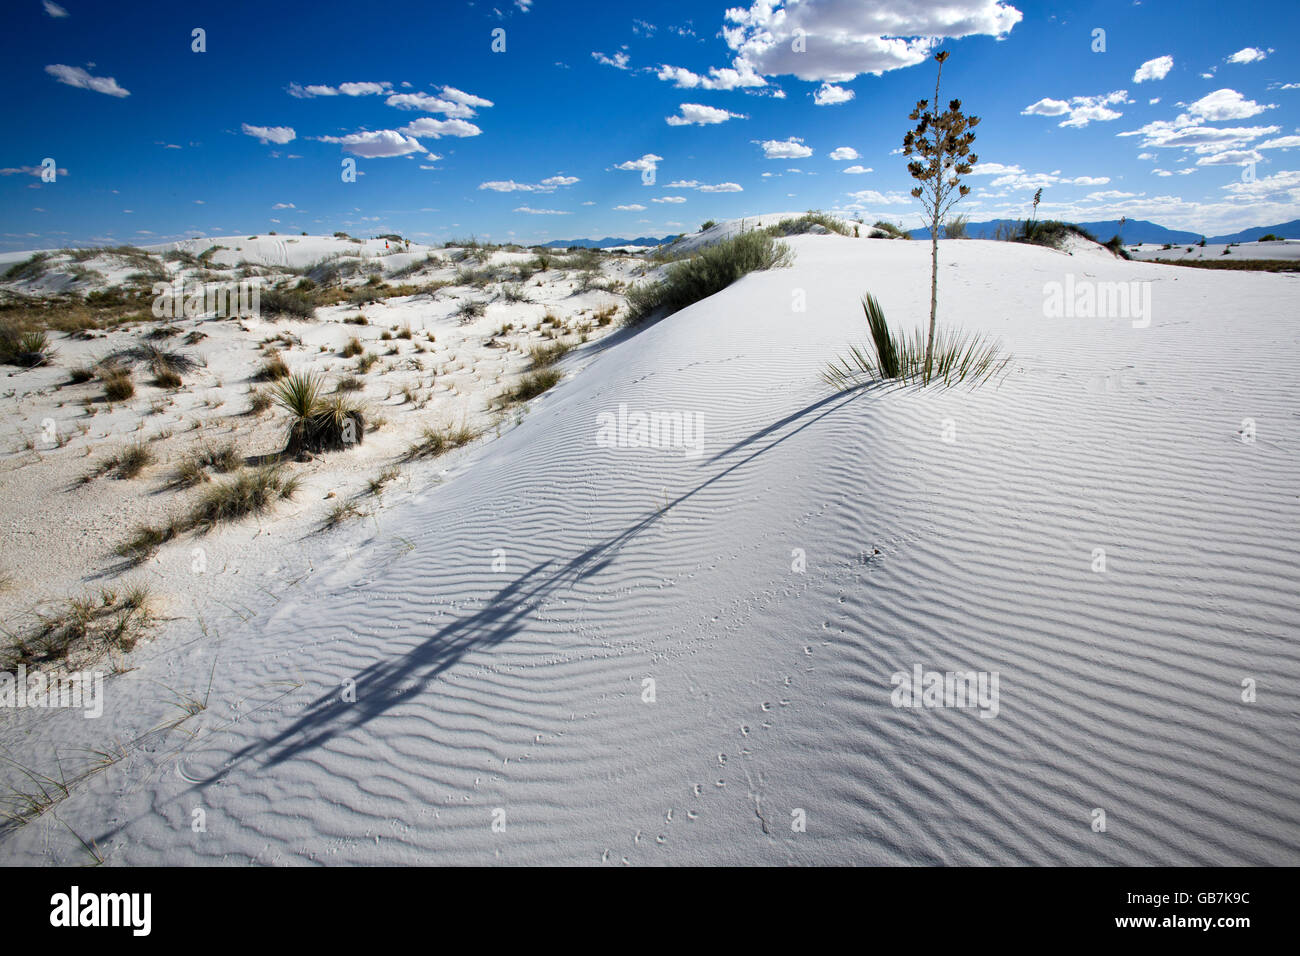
(1188,117)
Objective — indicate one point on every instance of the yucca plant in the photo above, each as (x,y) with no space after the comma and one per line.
(319,423)
(943,357)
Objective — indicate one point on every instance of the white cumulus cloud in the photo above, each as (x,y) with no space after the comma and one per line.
(271,134)
(1156,69)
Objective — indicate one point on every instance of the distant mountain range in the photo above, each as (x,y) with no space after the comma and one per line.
(606,243)
(1135,230)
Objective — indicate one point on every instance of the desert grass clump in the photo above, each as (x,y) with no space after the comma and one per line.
(884,229)
(349,383)
(166,378)
(80,375)
(949,358)
(531,385)
(193,468)
(272,370)
(366,362)
(544,356)
(376,484)
(699,277)
(133,460)
(294,305)
(258,401)
(252,491)
(806,223)
(81,630)
(436,441)
(353,347)
(340,512)
(118,386)
(469,310)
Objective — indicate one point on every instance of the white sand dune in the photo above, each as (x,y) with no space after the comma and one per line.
(517,695)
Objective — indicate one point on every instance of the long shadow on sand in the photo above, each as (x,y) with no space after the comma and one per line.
(387,683)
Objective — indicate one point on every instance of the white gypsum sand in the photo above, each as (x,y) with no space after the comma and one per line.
(479,652)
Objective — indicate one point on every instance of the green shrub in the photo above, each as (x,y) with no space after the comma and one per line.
(705,274)
(277,302)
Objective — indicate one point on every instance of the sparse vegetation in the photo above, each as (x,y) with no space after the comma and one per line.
(118,386)
(806,222)
(531,385)
(277,302)
(699,277)
(437,441)
(319,424)
(956,357)
(80,630)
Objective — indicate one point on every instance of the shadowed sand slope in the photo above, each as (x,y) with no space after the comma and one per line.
(666,655)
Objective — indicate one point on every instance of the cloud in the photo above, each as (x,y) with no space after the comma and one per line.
(1283,185)
(76,76)
(1248,54)
(829,95)
(1046,107)
(833,41)
(1021,180)
(723,188)
(1082,110)
(618,61)
(646,164)
(857,170)
(693,114)
(345,89)
(631,207)
(994,169)
(840,153)
(436,128)
(377,144)
(548,185)
(1185,133)
(1225,105)
(717,79)
(791,148)
(1230,157)
(543,212)
(284,205)
(271,134)
(670,199)
(880,199)
(1156,69)
(53,9)
(452,102)
(1282,142)
(29,171)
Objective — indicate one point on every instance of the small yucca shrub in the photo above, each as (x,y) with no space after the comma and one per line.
(955,357)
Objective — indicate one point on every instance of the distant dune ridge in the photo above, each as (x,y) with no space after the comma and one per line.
(1135,230)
